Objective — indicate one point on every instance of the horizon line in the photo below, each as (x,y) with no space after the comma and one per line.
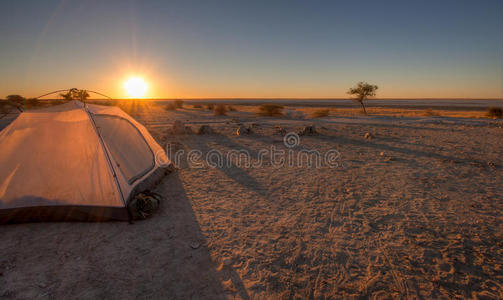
(289,98)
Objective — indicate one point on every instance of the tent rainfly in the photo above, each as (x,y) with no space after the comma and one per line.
(75,162)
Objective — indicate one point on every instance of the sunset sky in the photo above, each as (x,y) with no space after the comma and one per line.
(253,49)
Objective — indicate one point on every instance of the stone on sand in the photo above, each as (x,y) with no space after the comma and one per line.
(180,128)
(242,130)
(205,129)
(308,130)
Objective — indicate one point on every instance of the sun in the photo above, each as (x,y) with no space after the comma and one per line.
(136,87)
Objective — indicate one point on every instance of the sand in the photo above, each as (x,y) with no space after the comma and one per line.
(414,212)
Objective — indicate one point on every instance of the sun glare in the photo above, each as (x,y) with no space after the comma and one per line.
(136,87)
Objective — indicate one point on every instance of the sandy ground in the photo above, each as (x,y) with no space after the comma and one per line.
(414,212)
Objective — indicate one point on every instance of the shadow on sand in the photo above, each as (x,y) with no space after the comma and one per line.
(165,256)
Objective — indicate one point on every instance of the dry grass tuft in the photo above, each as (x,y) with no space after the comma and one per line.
(170,106)
(495,112)
(270,110)
(431,113)
(320,113)
(179,103)
(220,110)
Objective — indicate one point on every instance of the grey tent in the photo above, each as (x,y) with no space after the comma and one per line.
(77,162)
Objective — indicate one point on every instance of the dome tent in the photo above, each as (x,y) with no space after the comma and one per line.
(75,162)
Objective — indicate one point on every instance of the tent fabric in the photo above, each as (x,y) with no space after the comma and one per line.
(74,162)
(127,146)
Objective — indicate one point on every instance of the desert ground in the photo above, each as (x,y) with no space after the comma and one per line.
(411,207)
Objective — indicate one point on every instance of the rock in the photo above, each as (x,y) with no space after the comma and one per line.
(205,129)
(178,125)
(369,136)
(281,131)
(308,130)
(242,130)
(180,128)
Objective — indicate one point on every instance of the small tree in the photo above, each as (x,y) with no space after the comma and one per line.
(82,95)
(20,101)
(362,91)
(67,96)
(75,94)
(16,99)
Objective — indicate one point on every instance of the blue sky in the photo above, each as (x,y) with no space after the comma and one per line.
(254,48)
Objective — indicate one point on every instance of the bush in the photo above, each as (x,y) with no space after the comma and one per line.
(270,110)
(495,112)
(32,103)
(197,106)
(231,108)
(210,106)
(320,113)
(170,106)
(21,101)
(16,99)
(220,110)
(179,103)
(5,107)
(430,113)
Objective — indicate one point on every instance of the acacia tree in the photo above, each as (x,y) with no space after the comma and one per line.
(362,91)
(82,95)
(75,94)
(66,96)
(20,101)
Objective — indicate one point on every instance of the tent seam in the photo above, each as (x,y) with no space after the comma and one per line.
(114,174)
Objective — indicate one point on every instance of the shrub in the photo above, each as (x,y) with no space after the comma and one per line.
(16,99)
(220,110)
(320,113)
(5,107)
(32,102)
(170,106)
(231,108)
(210,106)
(430,113)
(179,103)
(495,112)
(270,110)
(197,106)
